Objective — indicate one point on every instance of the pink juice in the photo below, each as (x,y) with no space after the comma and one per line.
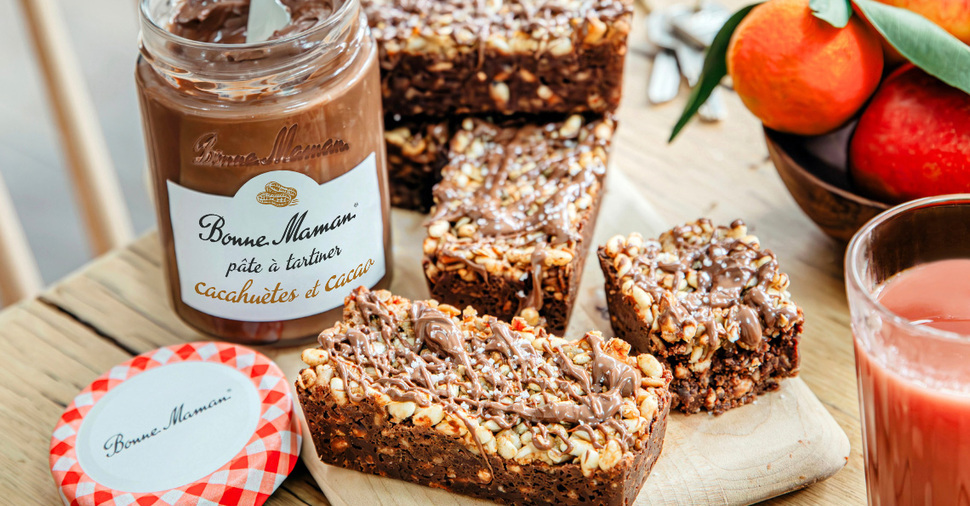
(915,391)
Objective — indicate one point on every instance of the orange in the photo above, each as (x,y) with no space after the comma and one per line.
(799,74)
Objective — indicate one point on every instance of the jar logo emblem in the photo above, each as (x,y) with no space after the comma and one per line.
(277,195)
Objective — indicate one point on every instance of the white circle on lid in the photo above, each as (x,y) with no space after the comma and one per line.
(168,427)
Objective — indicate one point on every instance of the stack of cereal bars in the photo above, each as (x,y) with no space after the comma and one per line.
(498,117)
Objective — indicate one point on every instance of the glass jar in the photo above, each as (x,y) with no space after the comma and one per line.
(268,164)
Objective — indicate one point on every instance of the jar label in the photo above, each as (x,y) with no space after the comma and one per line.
(283,247)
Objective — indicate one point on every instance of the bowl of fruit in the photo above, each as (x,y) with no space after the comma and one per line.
(815,173)
(864,105)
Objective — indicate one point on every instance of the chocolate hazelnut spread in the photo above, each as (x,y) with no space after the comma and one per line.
(267,161)
(224,21)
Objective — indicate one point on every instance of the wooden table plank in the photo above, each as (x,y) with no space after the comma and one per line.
(122,295)
(47,359)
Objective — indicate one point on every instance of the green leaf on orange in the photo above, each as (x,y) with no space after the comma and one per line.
(834,12)
(922,42)
(715,68)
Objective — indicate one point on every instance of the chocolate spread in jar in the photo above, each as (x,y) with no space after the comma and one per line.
(268,164)
(224,21)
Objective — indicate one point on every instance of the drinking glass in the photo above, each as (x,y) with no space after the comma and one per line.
(914,380)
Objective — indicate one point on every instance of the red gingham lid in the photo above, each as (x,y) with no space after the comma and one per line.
(197,423)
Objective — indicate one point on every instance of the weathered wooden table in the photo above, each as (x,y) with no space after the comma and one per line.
(115,307)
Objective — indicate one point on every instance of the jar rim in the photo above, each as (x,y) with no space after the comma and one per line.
(327,24)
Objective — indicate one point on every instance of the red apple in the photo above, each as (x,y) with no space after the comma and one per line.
(913,140)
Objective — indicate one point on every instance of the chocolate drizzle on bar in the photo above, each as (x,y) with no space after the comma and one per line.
(485,369)
(520,186)
(469,23)
(715,285)
(493,196)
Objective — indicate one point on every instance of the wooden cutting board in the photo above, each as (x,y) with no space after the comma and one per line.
(783,441)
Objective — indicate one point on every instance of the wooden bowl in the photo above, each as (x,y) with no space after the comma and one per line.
(815,171)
